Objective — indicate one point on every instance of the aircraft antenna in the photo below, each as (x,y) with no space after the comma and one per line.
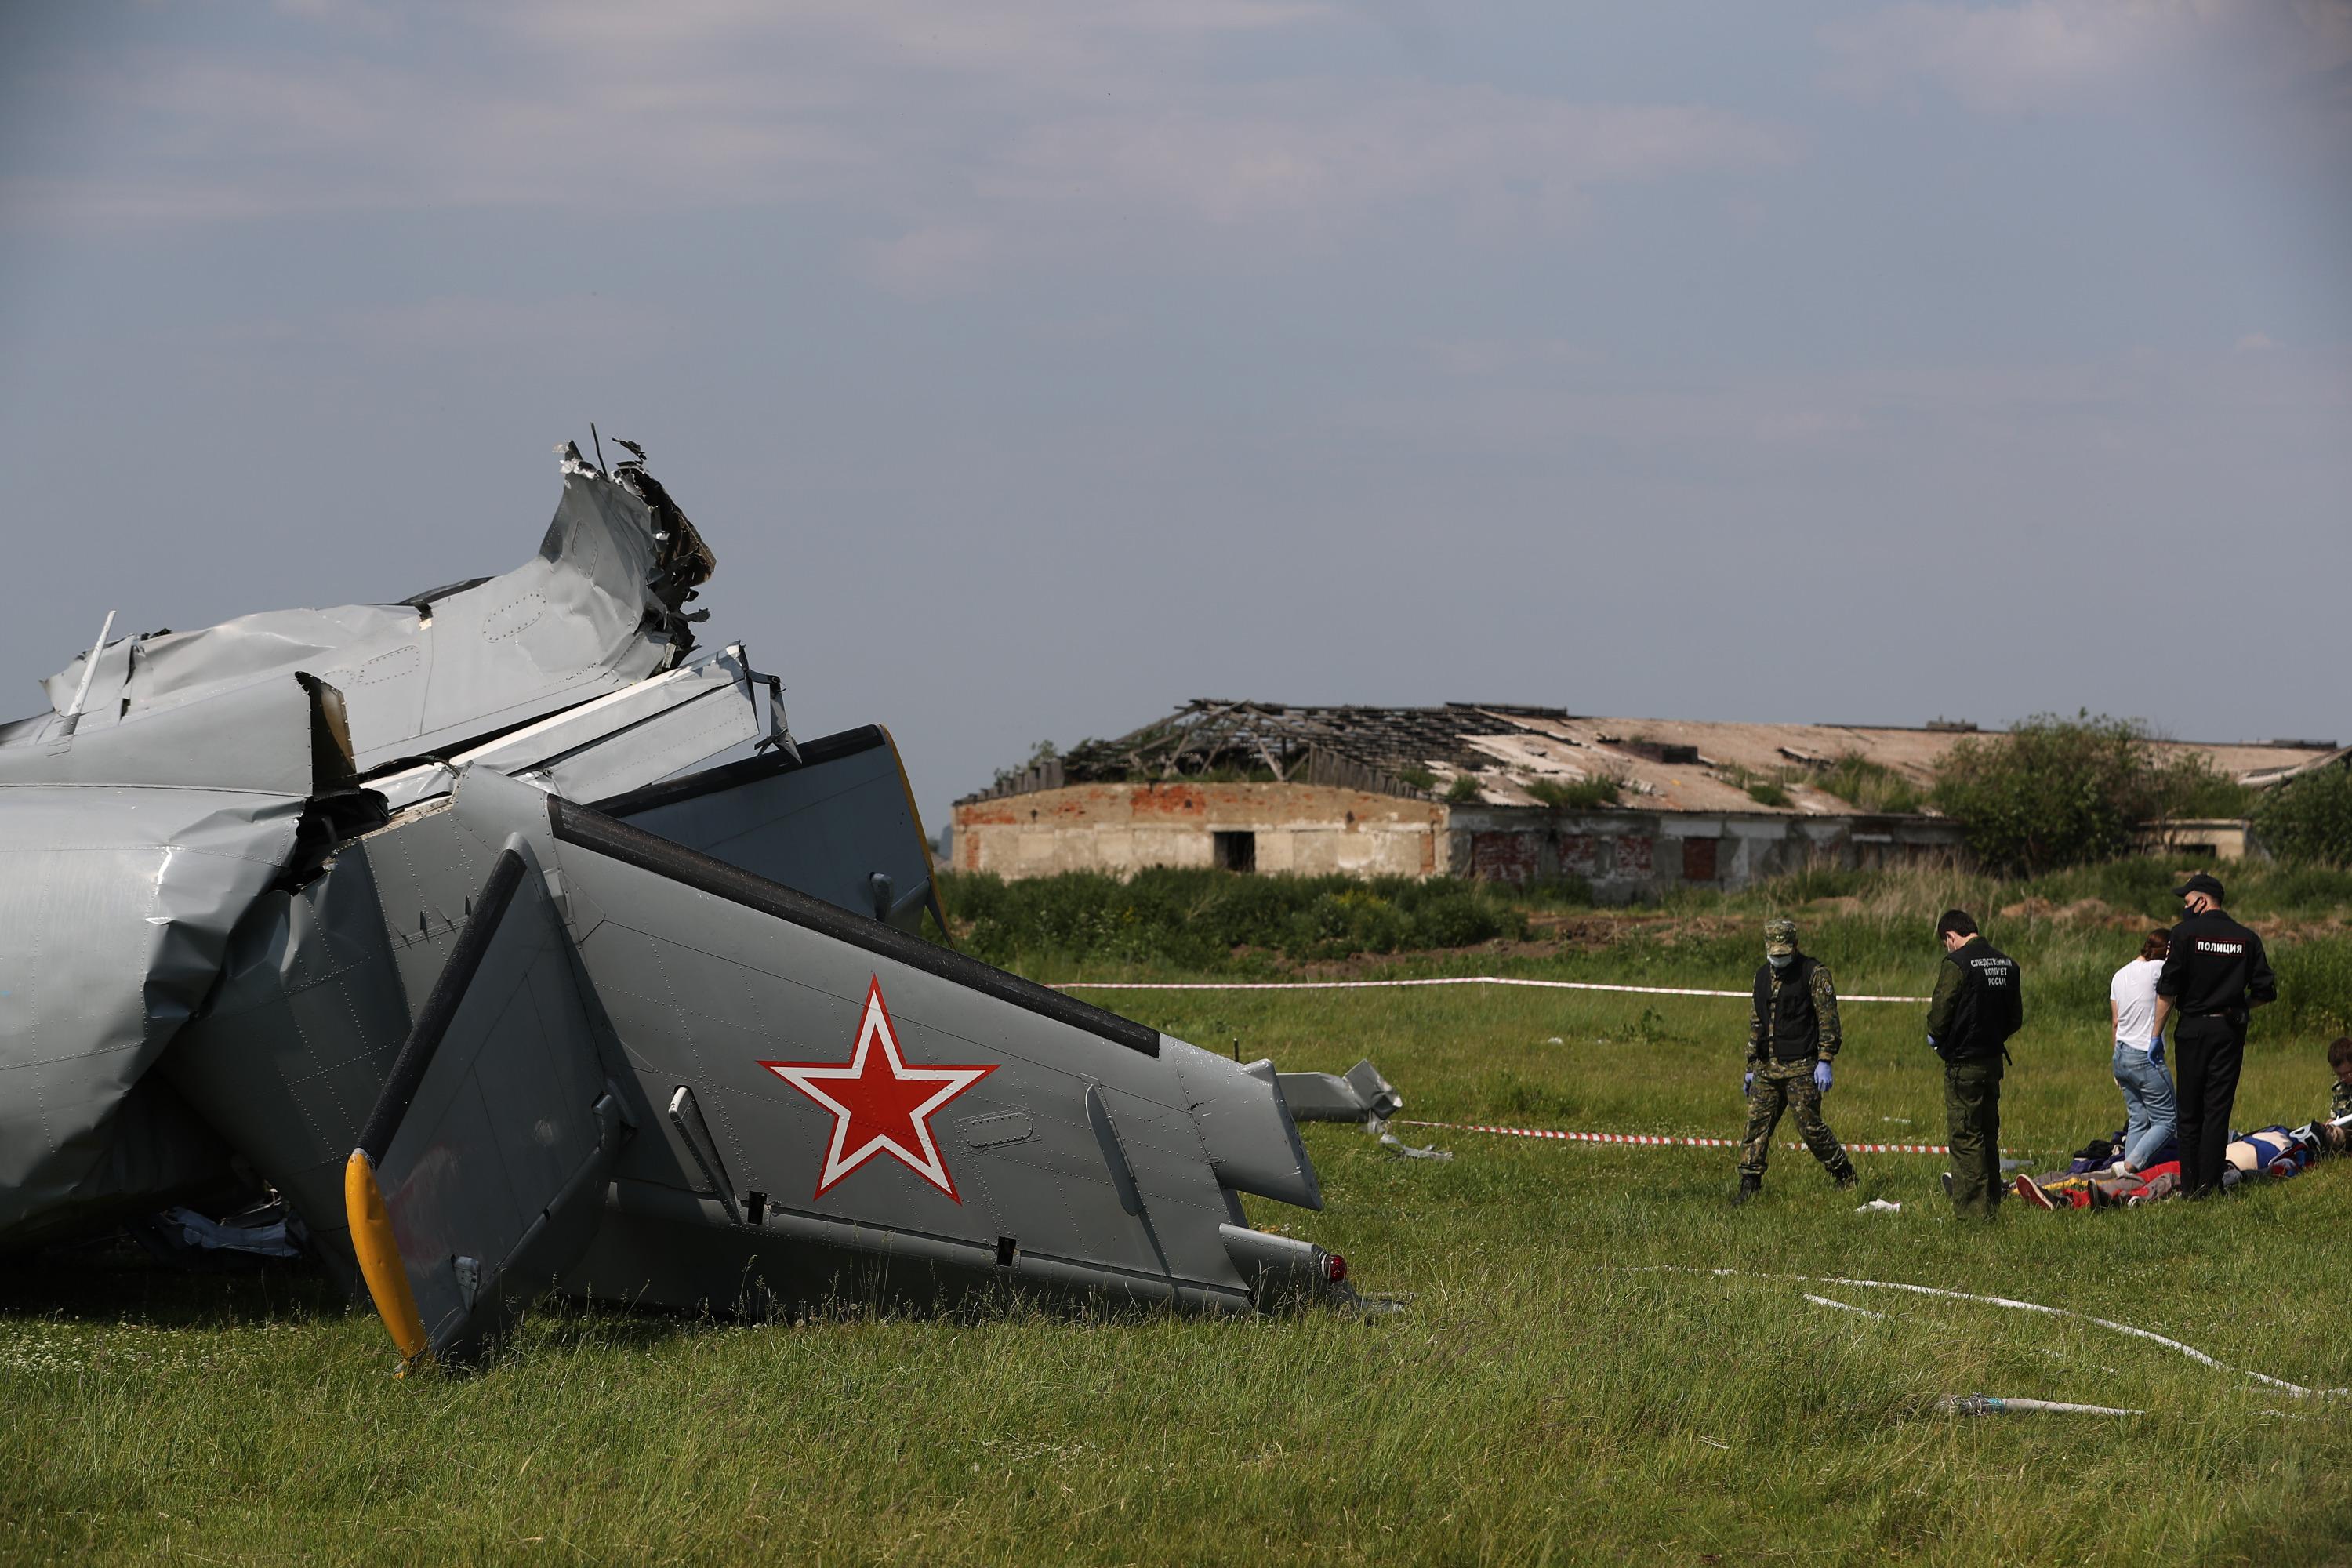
(599,441)
(90,669)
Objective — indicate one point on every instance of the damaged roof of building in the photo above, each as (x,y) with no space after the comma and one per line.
(1517,754)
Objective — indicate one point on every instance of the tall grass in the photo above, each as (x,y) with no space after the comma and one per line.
(2073,928)
(1202,917)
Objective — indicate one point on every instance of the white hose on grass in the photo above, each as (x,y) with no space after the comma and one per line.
(2192,1352)
(1997,1404)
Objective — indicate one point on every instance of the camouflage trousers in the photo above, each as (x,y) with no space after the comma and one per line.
(1787,1086)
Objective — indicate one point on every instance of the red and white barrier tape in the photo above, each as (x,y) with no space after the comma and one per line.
(1443,980)
(1650,1140)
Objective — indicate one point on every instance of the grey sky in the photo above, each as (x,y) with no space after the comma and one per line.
(1033,367)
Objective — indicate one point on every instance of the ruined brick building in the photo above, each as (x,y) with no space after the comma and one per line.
(1635,806)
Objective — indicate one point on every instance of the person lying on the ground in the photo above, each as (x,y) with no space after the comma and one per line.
(2275,1152)
(2101,1188)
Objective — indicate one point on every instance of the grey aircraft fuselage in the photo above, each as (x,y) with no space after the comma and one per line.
(403,909)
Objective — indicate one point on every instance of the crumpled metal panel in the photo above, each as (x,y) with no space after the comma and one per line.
(615,742)
(115,904)
(593,610)
(295,1041)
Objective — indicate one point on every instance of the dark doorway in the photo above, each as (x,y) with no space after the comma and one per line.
(1234,851)
(1699,859)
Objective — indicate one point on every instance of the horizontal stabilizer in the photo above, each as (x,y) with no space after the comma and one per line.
(1363,1095)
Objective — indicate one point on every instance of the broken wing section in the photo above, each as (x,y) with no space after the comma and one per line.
(597,608)
(479,1176)
(836,822)
(856,1112)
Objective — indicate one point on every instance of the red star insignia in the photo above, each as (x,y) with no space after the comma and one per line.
(879,1104)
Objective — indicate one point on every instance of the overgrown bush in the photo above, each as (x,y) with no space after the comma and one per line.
(1578,794)
(2308,819)
(2058,792)
(1464,788)
(2191,786)
(1198,918)
(1869,786)
(1763,788)
(2052,792)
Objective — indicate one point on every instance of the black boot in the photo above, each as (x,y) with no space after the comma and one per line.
(1748,1187)
(1842,1175)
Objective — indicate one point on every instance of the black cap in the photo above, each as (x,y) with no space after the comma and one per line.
(2199,883)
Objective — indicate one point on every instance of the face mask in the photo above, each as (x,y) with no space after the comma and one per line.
(1779,960)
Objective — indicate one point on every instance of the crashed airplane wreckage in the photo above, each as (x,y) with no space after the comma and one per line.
(400,909)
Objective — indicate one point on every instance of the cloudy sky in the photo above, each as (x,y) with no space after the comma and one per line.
(1033,367)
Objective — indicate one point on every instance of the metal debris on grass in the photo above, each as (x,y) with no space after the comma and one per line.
(1395,1144)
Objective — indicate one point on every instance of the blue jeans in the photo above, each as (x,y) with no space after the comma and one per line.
(2148,1104)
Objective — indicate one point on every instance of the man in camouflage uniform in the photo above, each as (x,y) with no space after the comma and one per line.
(2333,1138)
(1792,1035)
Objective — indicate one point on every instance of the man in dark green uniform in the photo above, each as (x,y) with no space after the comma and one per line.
(1978,1004)
(1793,1034)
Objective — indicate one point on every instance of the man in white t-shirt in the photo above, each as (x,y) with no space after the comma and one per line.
(2139,1055)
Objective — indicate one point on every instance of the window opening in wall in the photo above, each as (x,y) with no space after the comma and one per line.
(1234,851)
(1699,859)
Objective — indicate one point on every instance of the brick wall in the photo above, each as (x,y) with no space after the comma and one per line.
(1312,829)
(1301,828)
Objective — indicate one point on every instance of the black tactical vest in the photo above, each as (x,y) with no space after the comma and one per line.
(1793,1030)
(1992,1006)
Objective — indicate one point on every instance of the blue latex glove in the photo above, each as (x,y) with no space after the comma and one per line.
(1748,1084)
(2155,1050)
(1821,1076)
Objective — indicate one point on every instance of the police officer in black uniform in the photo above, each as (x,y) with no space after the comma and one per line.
(2215,975)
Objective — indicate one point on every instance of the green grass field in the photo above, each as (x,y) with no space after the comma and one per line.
(1567,1382)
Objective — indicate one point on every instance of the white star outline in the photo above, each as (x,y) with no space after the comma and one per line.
(810,1076)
